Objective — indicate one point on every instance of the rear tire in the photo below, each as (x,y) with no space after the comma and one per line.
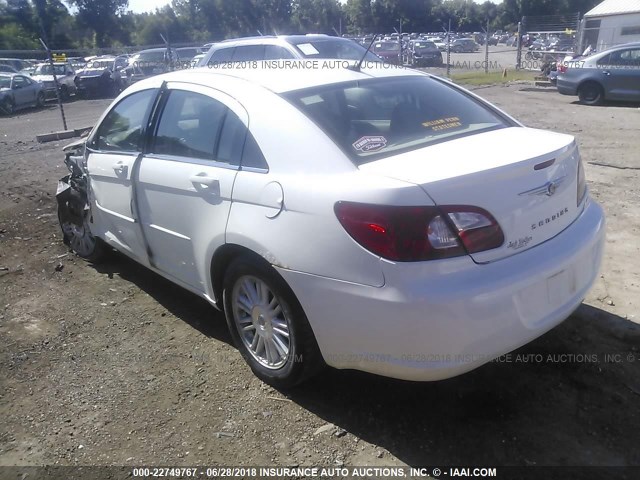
(268,325)
(590,93)
(40,100)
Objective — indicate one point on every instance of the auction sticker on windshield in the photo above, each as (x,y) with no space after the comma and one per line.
(370,143)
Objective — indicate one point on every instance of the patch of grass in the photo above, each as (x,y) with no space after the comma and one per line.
(493,77)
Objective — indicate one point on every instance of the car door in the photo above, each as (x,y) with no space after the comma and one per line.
(21,94)
(186,179)
(622,75)
(112,152)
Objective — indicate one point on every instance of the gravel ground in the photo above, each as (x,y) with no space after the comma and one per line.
(113,365)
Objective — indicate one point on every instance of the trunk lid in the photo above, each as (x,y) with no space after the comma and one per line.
(525,178)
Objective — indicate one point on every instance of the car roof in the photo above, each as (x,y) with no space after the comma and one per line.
(275,39)
(602,53)
(282,80)
(11,74)
(152,50)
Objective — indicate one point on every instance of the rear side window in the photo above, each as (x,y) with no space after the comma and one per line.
(252,155)
(275,52)
(189,126)
(121,129)
(375,118)
(247,53)
(237,145)
(626,58)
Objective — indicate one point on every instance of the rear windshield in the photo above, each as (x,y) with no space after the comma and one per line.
(46,69)
(332,48)
(376,118)
(425,46)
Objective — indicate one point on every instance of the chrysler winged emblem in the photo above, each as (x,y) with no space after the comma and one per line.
(548,189)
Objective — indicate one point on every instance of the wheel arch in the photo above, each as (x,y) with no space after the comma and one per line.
(220,261)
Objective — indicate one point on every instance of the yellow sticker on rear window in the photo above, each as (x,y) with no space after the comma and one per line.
(443,123)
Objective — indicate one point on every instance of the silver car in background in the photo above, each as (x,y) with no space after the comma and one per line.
(19,91)
(610,75)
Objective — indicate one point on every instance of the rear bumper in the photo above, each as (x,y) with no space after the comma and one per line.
(435,320)
(565,87)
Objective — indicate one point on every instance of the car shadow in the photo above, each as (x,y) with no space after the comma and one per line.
(190,308)
(609,103)
(570,397)
(564,399)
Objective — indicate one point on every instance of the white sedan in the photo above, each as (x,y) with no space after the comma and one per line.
(380,219)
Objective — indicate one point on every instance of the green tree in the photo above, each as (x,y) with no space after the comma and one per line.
(101,16)
(316,16)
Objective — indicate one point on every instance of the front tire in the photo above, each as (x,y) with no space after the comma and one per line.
(8,106)
(64,93)
(40,100)
(591,93)
(268,324)
(75,226)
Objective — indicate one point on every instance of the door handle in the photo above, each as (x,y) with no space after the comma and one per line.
(120,168)
(606,72)
(202,179)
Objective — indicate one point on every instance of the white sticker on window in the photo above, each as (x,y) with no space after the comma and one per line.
(370,143)
(308,49)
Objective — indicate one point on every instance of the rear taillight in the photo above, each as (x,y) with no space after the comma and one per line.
(562,67)
(408,234)
(477,229)
(582,183)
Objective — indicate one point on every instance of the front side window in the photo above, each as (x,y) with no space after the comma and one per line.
(122,128)
(222,55)
(20,82)
(374,118)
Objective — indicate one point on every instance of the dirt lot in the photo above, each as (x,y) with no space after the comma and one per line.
(111,364)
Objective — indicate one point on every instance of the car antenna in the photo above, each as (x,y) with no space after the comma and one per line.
(358,66)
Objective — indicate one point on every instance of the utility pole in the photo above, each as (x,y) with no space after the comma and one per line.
(55,82)
(401,46)
(519,42)
(486,48)
(449,50)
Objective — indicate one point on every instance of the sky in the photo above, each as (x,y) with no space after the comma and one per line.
(139,6)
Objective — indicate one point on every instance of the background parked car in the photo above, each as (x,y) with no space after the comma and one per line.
(422,53)
(186,55)
(16,63)
(102,76)
(153,61)
(19,91)
(610,75)
(7,69)
(389,51)
(64,74)
(285,47)
(464,45)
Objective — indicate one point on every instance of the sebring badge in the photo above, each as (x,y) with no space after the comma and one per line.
(547,189)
